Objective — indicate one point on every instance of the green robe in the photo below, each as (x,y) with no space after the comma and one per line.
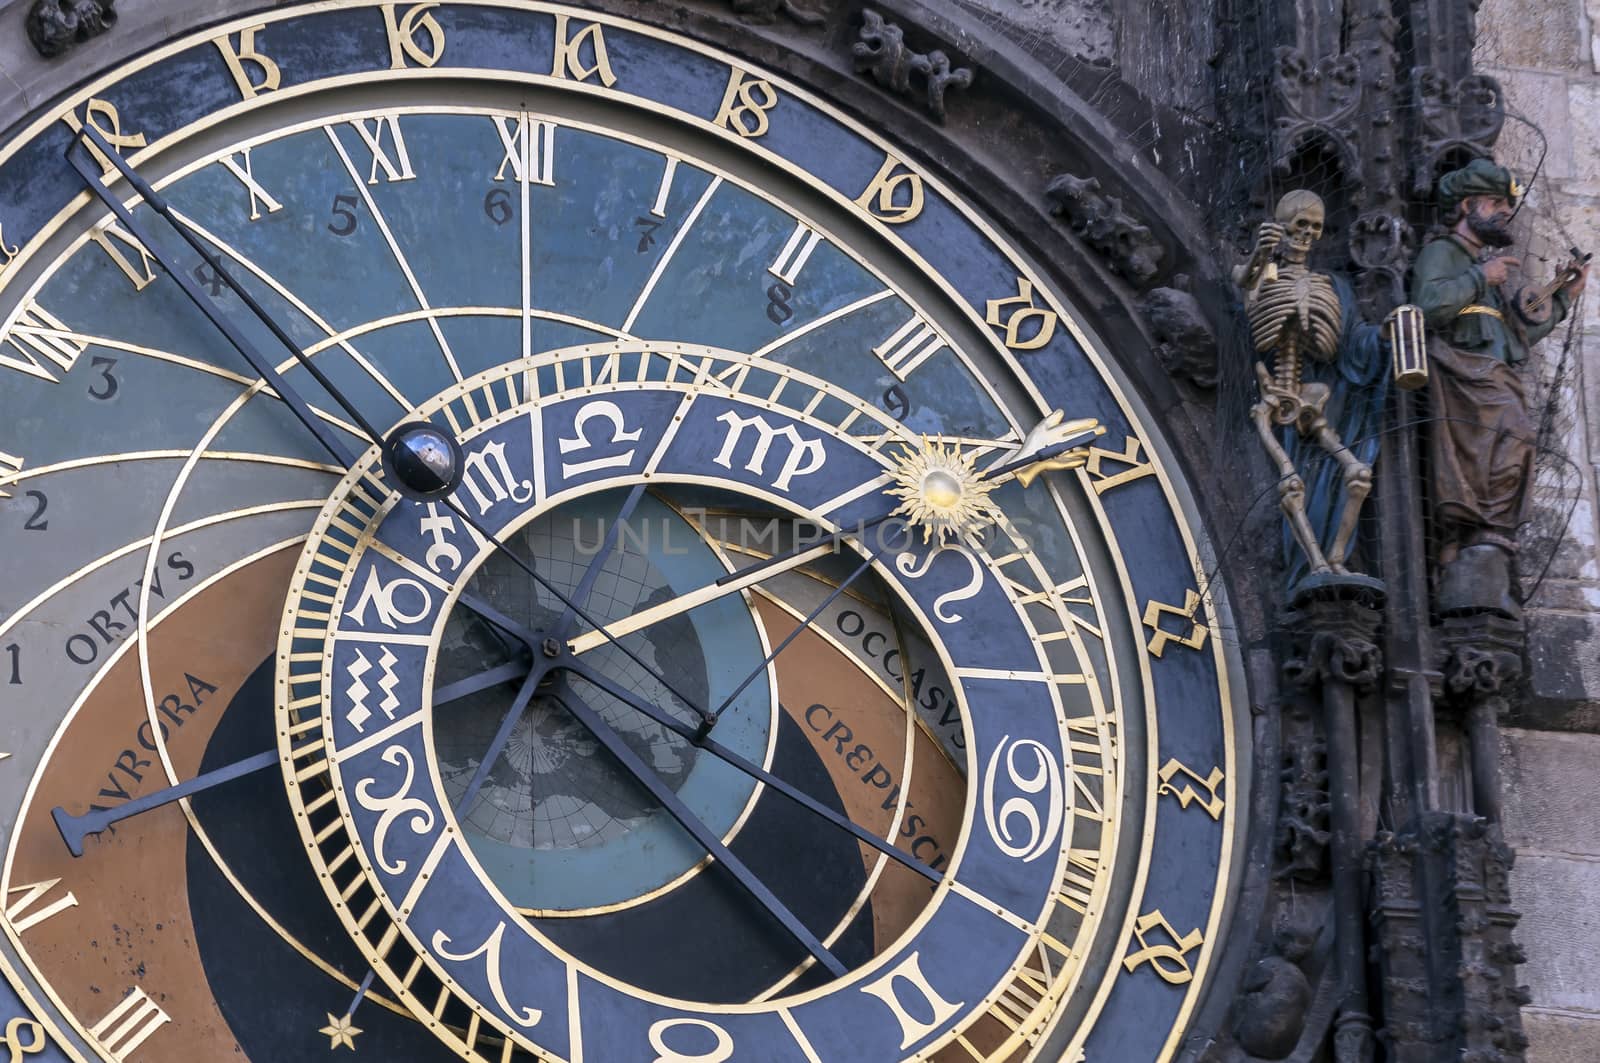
(1481,438)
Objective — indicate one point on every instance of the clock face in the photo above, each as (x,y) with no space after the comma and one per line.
(530,538)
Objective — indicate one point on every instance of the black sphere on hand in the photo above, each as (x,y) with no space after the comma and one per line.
(422,462)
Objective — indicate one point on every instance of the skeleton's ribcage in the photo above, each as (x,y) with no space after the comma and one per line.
(1299,307)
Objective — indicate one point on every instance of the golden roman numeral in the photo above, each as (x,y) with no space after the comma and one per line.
(373,138)
(1077,881)
(247,178)
(17,913)
(112,238)
(36,333)
(1024,1007)
(10,465)
(1104,481)
(128,1025)
(908,347)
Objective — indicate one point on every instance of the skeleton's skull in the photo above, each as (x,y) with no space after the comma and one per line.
(1303,215)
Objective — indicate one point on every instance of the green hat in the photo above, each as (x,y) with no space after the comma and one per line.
(1480,177)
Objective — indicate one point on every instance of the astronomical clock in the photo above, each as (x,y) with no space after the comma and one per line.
(528,537)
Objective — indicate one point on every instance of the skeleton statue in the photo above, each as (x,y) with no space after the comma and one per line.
(1296,314)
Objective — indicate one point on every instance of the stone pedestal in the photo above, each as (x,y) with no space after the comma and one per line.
(1333,625)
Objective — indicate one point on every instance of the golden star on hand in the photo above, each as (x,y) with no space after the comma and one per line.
(341,1030)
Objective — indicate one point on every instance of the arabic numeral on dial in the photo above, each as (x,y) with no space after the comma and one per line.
(778,308)
(105,388)
(1024,826)
(209,277)
(15,652)
(647,233)
(343,205)
(497,206)
(36,522)
(897,402)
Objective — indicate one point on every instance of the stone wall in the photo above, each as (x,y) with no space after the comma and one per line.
(1547,56)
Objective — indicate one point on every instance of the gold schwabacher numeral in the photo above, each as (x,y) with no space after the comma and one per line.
(27,911)
(1023,325)
(1169,961)
(904,985)
(895,194)
(38,340)
(129,1025)
(237,55)
(745,105)
(568,61)
(8,252)
(1185,793)
(1188,615)
(407,32)
(107,121)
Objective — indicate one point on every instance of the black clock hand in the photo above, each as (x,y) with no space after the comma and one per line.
(586,585)
(82,162)
(803,626)
(708,839)
(752,769)
(74,829)
(552,647)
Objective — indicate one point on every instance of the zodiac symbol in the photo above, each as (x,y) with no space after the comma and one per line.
(907,564)
(393,807)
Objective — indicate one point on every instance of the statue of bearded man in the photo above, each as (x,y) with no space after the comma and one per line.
(1481,438)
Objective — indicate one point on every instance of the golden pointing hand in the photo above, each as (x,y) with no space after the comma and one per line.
(1044,444)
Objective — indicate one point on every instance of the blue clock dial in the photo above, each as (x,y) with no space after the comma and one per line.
(815,660)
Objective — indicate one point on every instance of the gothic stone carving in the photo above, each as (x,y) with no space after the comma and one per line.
(1185,343)
(769,10)
(1103,223)
(1275,995)
(1454,118)
(1319,101)
(1302,837)
(56,25)
(881,51)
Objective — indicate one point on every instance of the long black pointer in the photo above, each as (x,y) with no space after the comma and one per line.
(647,777)
(752,769)
(74,829)
(82,162)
